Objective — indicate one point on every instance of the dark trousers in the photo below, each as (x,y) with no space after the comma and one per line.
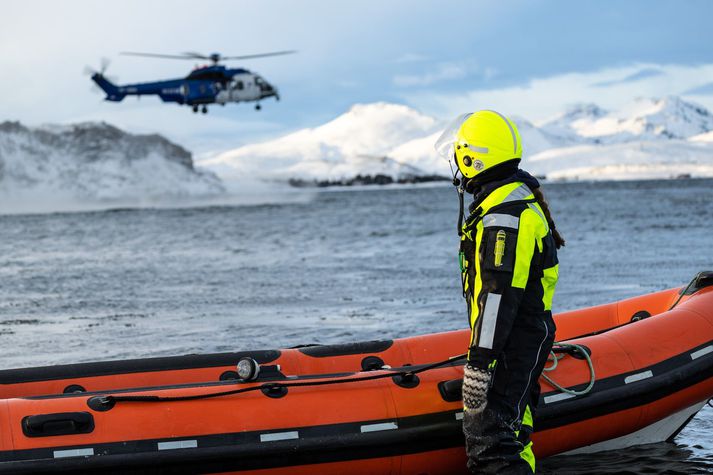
(497,440)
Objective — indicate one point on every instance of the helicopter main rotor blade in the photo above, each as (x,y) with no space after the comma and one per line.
(156,55)
(261,55)
(194,55)
(215,57)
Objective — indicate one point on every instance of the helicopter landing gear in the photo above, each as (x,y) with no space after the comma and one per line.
(195,109)
(204,109)
(258,107)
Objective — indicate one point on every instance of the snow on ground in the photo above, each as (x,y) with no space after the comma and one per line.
(624,161)
(706,137)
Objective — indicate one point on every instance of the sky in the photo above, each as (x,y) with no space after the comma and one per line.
(526,58)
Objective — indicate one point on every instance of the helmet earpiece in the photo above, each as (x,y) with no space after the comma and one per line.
(469,186)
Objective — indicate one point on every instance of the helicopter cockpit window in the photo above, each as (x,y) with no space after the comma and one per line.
(238,85)
(260,82)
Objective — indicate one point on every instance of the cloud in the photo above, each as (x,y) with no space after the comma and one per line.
(704,90)
(490,73)
(637,76)
(541,98)
(443,72)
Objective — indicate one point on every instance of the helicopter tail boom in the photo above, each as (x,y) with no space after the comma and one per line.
(112,91)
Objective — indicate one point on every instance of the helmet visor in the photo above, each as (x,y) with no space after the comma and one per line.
(445,145)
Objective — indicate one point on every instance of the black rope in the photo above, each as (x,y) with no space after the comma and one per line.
(457,182)
(109,399)
(683,292)
(461,211)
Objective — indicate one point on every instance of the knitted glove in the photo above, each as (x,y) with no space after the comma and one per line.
(476,383)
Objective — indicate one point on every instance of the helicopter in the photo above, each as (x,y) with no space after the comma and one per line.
(210,84)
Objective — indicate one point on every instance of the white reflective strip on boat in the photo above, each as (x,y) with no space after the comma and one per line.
(379,426)
(557,397)
(702,352)
(490,319)
(178,444)
(459,416)
(293,434)
(519,193)
(501,220)
(638,377)
(73,453)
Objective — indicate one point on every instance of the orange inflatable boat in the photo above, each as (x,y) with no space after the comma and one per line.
(390,406)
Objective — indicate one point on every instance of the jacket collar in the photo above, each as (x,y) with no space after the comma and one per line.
(487,190)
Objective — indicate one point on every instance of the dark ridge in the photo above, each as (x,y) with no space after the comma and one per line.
(377,179)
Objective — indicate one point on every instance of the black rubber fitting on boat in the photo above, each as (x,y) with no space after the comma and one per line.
(640,315)
(345,349)
(101,403)
(229,375)
(274,391)
(408,380)
(451,390)
(59,423)
(371,363)
(573,352)
(74,388)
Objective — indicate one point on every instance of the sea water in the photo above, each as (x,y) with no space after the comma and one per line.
(327,267)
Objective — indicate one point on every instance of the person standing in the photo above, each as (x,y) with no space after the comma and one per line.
(509,269)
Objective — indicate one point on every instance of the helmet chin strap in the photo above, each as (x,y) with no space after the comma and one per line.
(458,183)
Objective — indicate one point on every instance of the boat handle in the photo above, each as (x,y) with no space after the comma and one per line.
(60,423)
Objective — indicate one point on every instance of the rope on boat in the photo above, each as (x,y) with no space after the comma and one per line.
(110,400)
(555,360)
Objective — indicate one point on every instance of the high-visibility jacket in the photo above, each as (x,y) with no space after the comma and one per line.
(509,268)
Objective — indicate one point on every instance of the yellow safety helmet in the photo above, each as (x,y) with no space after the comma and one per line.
(479,141)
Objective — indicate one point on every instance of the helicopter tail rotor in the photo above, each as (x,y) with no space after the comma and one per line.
(103,66)
(104,83)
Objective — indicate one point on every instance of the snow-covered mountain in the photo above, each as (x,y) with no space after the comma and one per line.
(359,142)
(95,162)
(644,119)
(649,138)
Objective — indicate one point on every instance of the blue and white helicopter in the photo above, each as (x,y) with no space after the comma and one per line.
(212,84)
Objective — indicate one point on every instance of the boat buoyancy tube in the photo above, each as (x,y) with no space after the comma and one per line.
(389,406)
